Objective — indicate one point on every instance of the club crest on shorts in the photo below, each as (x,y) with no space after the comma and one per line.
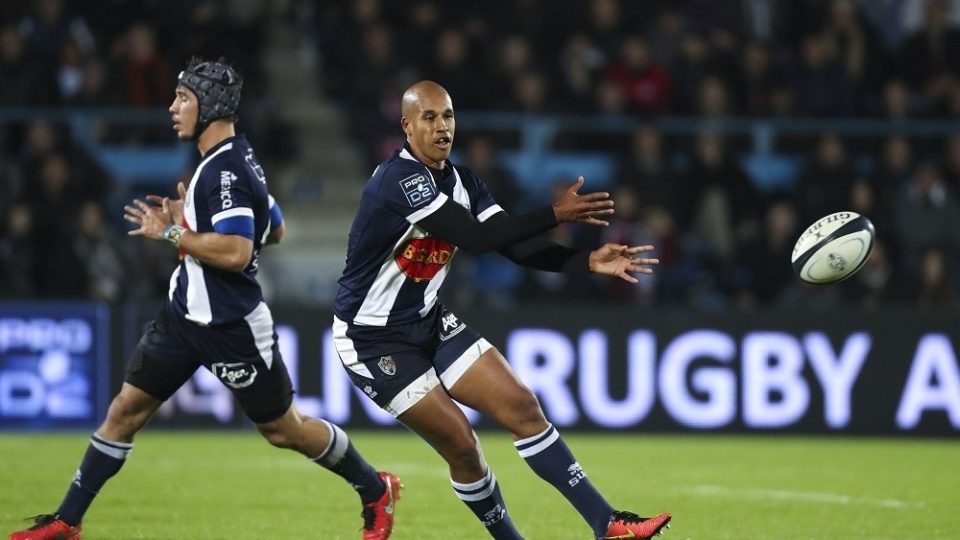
(387,365)
(235,374)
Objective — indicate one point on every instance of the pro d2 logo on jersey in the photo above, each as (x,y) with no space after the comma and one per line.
(421,259)
(235,374)
(418,189)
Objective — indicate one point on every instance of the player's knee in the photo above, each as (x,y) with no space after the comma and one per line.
(124,418)
(462,450)
(527,408)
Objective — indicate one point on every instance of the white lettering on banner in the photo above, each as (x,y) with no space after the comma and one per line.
(21,394)
(837,373)
(775,393)
(718,383)
(40,334)
(544,361)
(933,383)
(595,375)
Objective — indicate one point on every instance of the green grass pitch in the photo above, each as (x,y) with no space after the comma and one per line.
(203,485)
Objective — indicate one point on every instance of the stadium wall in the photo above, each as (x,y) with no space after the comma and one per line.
(624,369)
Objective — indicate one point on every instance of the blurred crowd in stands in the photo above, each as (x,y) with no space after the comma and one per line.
(723,237)
(60,236)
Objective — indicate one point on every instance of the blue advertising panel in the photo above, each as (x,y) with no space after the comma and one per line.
(670,371)
(54,365)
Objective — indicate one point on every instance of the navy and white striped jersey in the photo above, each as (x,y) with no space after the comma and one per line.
(394,269)
(227,195)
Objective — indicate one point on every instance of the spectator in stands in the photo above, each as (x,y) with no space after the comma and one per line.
(513,57)
(454,67)
(726,205)
(26,80)
(628,228)
(531,95)
(895,166)
(646,84)
(765,280)
(581,61)
(896,101)
(692,66)
(48,26)
(147,76)
(606,26)
(930,58)
(18,247)
(757,80)
(55,224)
(876,284)
(644,169)
(99,248)
(933,288)
(927,216)
(855,46)
(713,98)
(822,85)
(609,99)
(826,184)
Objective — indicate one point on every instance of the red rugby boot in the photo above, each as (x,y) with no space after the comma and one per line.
(625,525)
(378,515)
(48,527)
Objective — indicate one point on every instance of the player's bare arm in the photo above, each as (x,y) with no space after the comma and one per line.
(229,252)
(589,208)
(621,261)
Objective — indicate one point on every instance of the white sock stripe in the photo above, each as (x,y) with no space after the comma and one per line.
(115,444)
(333,439)
(115,453)
(540,446)
(480,495)
(338,446)
(474,486)
(535,439)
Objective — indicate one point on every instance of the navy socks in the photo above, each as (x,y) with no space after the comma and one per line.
(102,460)
(549,457)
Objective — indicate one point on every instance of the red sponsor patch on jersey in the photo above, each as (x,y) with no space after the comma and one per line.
(420,259)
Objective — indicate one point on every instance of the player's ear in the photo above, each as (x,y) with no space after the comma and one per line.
(405,125)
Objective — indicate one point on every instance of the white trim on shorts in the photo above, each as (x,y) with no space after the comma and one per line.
(413,393)
(452,374)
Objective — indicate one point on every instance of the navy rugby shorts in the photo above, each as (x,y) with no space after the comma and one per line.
(243,355)
(398,365)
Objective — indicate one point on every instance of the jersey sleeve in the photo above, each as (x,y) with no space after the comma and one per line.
(229,198)
(411,192)
(484,206)
(276,215)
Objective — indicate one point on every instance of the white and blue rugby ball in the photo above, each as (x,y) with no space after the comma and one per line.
(833,248)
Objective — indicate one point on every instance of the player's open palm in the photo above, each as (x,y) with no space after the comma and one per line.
(622,261)
(175,205)
(589,208)
(151,220)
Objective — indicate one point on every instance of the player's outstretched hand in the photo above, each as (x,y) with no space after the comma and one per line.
(621,261)
(589,208)
(175,205)
(150,220)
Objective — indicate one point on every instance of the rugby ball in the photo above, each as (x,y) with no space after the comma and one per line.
(833,248)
